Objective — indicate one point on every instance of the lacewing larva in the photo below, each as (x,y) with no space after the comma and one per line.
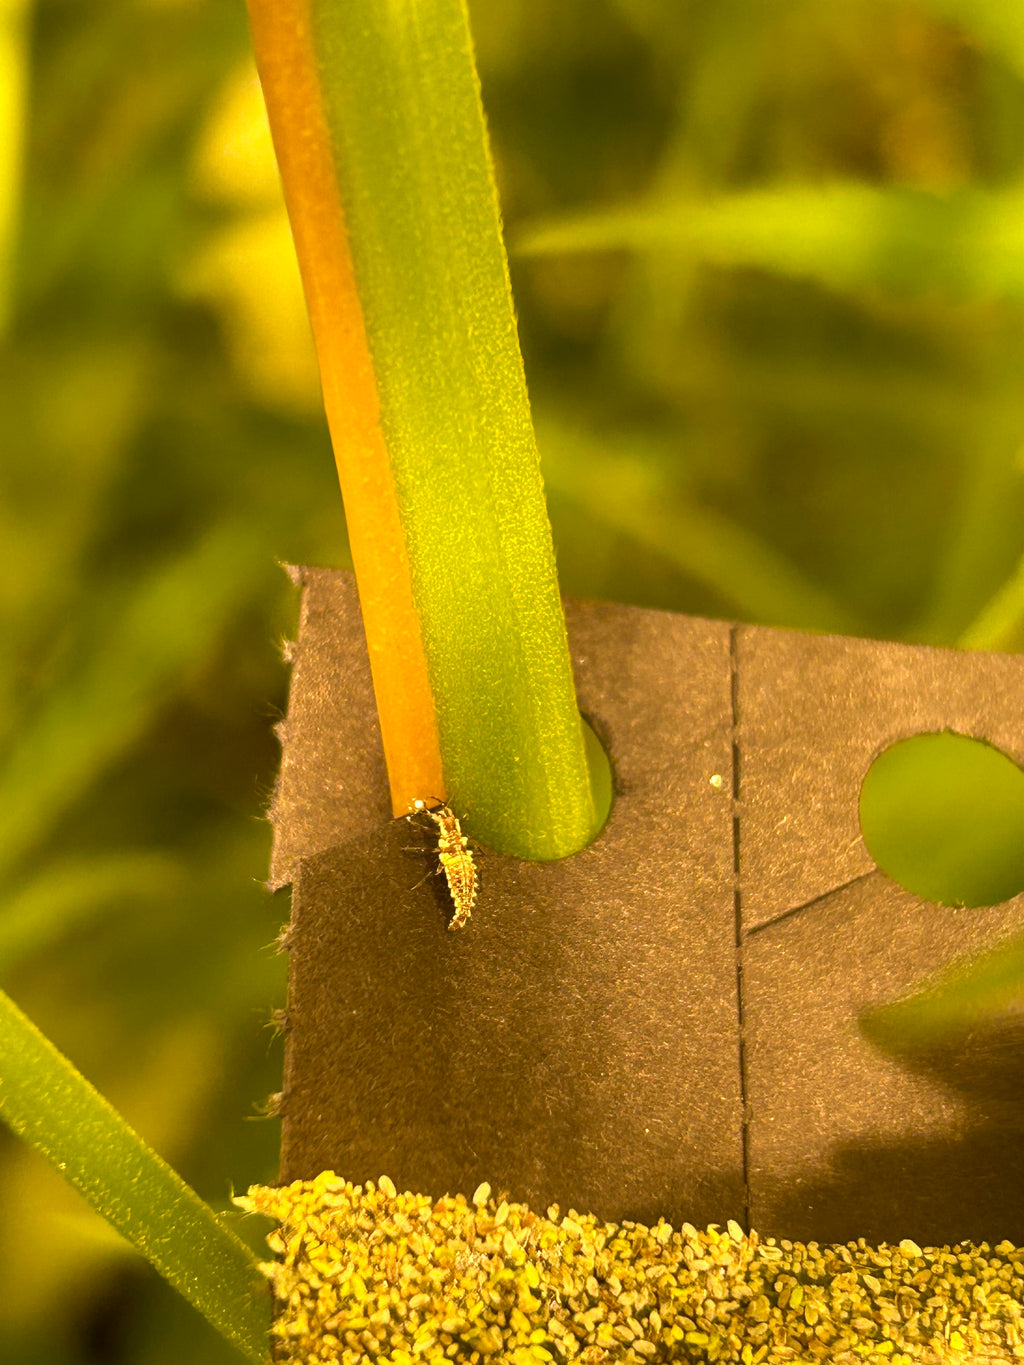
(454,855)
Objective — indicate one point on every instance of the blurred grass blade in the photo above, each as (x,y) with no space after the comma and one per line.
(994,24)
(55,1109)
(14,54)
(620,488)
(1000,623)
(846,235)
(132,665)
(966,998)
(65,894)
(421,277)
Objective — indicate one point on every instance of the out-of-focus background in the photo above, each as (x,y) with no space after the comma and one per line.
(809,412)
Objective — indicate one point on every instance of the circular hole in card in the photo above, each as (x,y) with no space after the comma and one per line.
(943,815)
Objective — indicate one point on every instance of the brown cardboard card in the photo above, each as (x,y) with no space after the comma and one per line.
(666,1024)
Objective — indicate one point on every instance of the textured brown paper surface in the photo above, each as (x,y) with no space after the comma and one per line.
(639,1030)
(843,1140)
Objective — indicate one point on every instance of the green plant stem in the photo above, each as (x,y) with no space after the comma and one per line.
(55,1109)
(401,100)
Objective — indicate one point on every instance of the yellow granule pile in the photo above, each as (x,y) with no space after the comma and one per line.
(368,1274)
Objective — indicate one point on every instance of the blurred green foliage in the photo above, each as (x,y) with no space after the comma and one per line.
(736,435)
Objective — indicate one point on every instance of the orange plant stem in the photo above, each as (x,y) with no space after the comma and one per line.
(287,66)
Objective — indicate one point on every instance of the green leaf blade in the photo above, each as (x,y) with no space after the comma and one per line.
(846,235)
(46,1101)
(403,105)
(965,1000)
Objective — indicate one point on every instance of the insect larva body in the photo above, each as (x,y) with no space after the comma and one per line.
(455,858)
